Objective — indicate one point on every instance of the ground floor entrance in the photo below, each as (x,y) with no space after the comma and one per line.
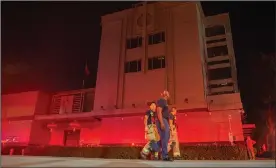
(71,137)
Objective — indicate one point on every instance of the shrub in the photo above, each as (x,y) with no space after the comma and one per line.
(188,152)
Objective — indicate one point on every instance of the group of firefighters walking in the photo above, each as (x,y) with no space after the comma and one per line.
(161,130)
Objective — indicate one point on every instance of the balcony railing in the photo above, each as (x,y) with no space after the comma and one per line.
(75,101)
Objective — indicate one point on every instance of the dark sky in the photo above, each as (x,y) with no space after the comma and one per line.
(45,44)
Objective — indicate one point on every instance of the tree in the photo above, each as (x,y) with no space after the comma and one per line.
(259,91)
(270,101)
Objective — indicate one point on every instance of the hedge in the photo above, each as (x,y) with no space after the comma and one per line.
(195,152)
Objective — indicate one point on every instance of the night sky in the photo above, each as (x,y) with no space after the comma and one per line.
(45,44)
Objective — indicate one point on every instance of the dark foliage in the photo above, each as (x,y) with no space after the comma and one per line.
(198,152)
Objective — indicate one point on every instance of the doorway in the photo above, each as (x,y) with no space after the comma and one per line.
(71,138)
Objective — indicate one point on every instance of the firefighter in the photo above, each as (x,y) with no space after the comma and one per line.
(173,143)
(151,131)
(163,124)
(249,143)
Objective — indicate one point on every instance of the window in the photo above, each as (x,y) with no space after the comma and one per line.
(215,41)
(218,62)
(88,102)
(134,42)
(156,63)
(221,91)
(213,86)
(133,66)
(220,73)
(217,51)
(156,38)
(214,31)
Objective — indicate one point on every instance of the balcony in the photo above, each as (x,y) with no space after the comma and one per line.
(76,101)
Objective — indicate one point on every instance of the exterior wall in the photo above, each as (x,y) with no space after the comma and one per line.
(230,100)
(20,129)
(43,103)
(24,104)
(189,82)
(57,137)
(18,112)
(225,102)
(123,130)
(210,126)
(141,88)
(90,132)
(19,104)
(182,76)
(108,69)
(194,127)
(39,134)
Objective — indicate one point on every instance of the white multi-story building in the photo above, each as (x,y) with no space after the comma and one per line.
(172,46)
(144,50)
(166,45)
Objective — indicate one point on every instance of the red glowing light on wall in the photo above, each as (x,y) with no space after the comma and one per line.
(51,126)
(74,125)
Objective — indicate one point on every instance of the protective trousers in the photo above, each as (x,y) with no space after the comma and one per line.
(151,146)
(152,137)
(174,143)
(251,153)
(164,137)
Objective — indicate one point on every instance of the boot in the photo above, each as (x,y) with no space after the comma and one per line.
(172,145)
(167,159)
(143,156)
(156,156)
(177,157)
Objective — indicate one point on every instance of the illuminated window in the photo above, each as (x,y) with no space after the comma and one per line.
(156,38)
(134,42)
(215,31)
(156,63)
(133,66)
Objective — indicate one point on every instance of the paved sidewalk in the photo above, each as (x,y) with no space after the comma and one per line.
(35,161)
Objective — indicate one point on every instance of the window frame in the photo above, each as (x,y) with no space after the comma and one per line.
(215,25)
(138,66)
(139,40)
(152,36)
(213,74)
(208,50)
(150,65)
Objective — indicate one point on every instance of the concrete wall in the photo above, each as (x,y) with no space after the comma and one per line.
(43,103)
(197,127)
(39,134)
(19,104)
(189,82)
(182,49)
(108,69)
(57,137)
(20,129)
(141,88)
(24,104)
(18,111)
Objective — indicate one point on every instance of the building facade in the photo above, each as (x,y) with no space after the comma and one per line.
(174,47)
(144,50)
